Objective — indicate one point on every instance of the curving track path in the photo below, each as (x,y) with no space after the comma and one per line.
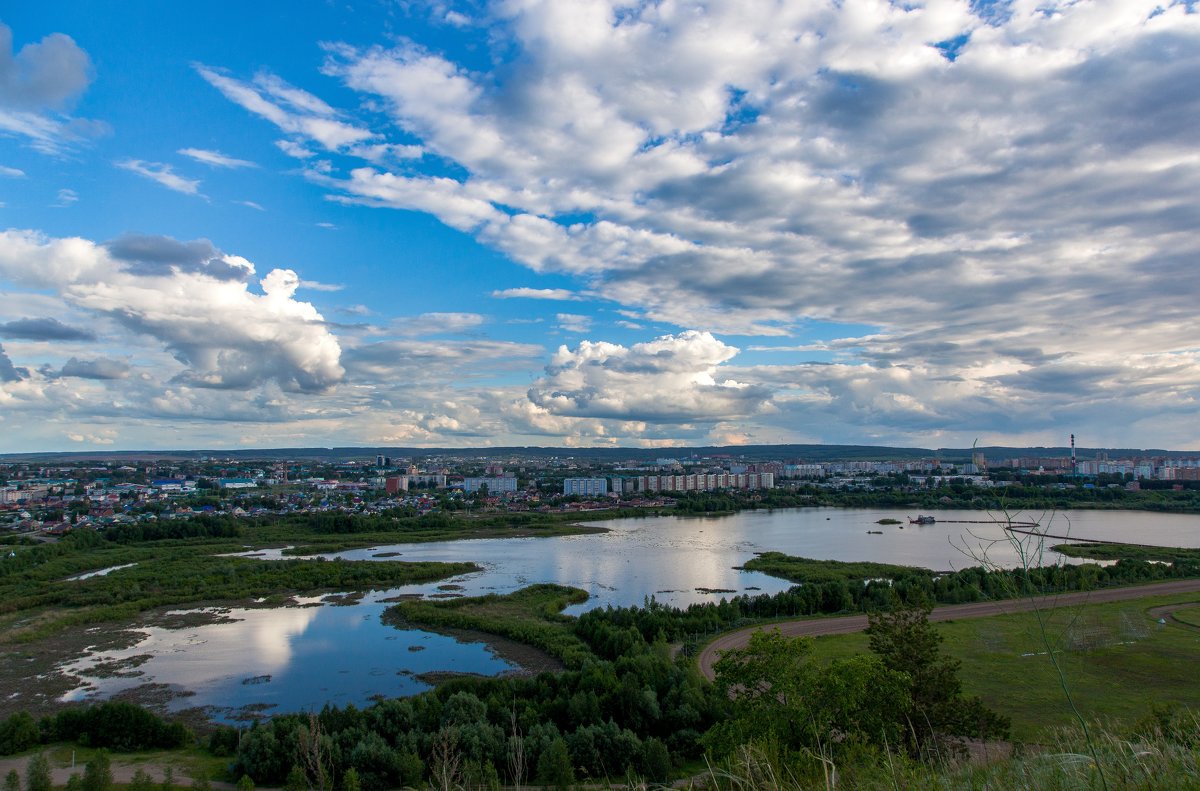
(848,624)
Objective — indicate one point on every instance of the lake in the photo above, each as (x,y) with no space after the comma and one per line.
(298,658)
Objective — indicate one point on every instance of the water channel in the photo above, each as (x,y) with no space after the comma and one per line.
(298,658)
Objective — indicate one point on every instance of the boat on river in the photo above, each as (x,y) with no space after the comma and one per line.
(922,520)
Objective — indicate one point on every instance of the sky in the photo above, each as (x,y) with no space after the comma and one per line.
(589,223)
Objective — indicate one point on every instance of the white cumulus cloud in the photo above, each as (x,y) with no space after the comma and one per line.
(224,333)
(672,378)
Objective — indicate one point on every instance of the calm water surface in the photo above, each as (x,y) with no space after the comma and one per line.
(298,658)
(282,659)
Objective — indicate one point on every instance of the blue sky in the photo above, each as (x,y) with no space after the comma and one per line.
(591,223)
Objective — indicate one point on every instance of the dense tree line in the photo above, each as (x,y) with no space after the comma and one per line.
(113,724)
(196,527)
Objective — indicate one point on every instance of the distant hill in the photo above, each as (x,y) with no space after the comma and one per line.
(808,453)
(993,452)
(761,452)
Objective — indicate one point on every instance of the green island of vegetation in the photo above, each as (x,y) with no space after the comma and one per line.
(531,616)
(1171,555)
(807,571)
(859,586)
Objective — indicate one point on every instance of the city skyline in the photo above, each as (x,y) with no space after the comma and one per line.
(527,223)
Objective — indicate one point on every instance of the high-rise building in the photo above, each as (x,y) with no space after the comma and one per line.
(585,487)
(701,482)
(500,485)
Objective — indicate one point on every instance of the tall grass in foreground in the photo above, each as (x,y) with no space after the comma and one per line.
(1164,755)
(1147,762)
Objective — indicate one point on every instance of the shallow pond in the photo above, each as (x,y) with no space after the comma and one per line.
(279,659)
(298,658)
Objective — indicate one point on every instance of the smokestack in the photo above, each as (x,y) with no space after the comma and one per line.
(1073,467)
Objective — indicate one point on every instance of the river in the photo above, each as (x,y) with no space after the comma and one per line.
(298,658)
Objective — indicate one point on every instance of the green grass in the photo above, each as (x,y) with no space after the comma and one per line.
(531,615)
(1150,760)
(1117,660)
(1189,615)
(809,571)
(312,543)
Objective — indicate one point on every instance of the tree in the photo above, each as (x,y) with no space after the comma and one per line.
(445,761)
(97,773)
(245,783)
(783,699)
(296,781)
(37,773)
(654,762)
(18,733)
(554,766)
(378,764)
(12,781)
(350,780)
(312,746)
(517,759)
(906,642)
(141,781)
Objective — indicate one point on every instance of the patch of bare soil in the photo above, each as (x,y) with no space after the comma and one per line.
(344,599)
(187,619)
(122,770)
(31,675)
(117,668)
(30,672)
(153,696)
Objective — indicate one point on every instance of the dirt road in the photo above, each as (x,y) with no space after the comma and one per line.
(122,771)
(848,624)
